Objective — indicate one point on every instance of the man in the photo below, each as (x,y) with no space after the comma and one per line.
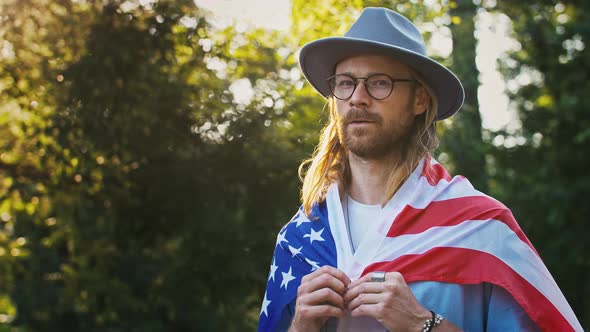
(385,238)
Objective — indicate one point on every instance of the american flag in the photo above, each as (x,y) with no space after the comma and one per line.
(302,246)
(436,228)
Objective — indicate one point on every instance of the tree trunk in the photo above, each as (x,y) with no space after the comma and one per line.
(464,139)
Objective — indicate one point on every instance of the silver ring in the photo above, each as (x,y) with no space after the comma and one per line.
(378,276)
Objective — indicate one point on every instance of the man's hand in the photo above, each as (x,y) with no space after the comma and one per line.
(391,302)
(319,297)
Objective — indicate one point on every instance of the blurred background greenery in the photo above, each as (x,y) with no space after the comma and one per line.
(138,193)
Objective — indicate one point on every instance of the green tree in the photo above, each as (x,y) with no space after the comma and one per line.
(33,47)
(138,198)
(541,170)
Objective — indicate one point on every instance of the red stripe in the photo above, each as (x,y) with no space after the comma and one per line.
(434,173)
(441,265)
(452,212)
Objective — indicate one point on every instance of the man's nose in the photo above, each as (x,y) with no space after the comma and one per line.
(360,95)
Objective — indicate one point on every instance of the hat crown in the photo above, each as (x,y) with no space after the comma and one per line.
(388,27)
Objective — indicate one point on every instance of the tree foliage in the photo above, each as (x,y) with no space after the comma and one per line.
(135,183)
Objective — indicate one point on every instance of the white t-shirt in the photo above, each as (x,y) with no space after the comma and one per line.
(359,218)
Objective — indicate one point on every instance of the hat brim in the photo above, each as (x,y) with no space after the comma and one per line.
(319,58)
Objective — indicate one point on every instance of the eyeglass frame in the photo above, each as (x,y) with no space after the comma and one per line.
(356,83)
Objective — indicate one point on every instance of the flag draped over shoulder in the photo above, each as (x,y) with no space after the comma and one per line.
(302,246)
(434,229)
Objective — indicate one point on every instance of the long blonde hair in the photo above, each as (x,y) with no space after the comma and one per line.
(329,162)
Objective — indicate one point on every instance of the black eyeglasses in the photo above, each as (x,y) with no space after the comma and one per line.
(378,86)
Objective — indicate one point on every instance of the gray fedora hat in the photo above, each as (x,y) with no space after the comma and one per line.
(382,31)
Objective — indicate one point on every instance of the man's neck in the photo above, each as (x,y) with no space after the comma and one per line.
(369,179)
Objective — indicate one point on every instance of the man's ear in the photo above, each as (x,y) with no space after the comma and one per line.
(421,100)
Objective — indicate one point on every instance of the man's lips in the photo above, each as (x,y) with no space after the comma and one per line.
(360,121)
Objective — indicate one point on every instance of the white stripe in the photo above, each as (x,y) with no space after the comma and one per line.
(338,227)
(456,188)
(489,236)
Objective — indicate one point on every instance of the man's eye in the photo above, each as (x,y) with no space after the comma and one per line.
(346,83)
(380,83)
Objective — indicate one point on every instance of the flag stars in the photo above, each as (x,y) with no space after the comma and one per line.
(315,236)
(314,265)
(281,238)
(300,219)
(287,277)
(295,251)
(265,304)
(273,269)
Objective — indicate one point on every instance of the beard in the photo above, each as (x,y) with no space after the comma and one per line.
(376,140)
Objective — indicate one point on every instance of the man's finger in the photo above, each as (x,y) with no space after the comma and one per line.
(363,279)
(365,299)
(370,310)
(321,311)
(323,296)
(328,270)
(364,288)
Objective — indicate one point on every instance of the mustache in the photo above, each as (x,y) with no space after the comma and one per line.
(358,114)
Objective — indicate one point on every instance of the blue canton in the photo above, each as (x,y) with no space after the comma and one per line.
(302,246)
